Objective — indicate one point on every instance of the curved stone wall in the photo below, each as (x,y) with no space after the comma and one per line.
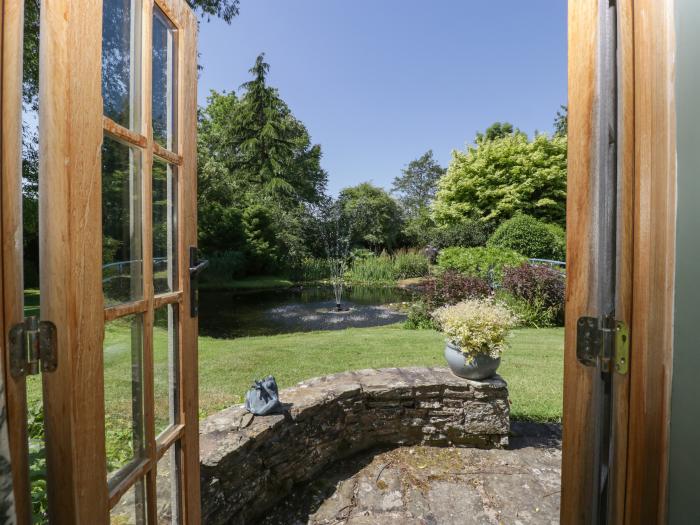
(249,463)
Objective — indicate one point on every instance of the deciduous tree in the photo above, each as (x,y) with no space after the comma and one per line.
(417,185)
(376,216)
(495,179)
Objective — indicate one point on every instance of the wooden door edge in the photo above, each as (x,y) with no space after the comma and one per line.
(654,261)
(12,271)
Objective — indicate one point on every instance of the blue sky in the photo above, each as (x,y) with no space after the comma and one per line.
(379,82)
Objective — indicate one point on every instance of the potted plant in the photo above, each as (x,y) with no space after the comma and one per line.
(476,332)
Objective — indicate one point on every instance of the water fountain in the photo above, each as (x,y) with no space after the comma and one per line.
(335,228)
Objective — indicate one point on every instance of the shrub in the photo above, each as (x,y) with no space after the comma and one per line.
(530,281)
(419,316)
(448,288)
(530,237)
(408,264)
(560,241)
(485,262)
(451,287)
(541,287)
(477,326)
(530,314)
(465,234)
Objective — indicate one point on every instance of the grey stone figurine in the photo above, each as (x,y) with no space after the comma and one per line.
(263,397)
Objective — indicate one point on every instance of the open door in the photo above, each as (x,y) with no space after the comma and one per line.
(117,213)
(12,318)
(621,213)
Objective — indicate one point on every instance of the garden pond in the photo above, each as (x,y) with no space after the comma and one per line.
(231,314)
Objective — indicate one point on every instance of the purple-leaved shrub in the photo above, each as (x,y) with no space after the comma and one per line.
(452,287)
(540,286)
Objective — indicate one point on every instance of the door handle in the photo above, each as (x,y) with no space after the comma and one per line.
(196,267)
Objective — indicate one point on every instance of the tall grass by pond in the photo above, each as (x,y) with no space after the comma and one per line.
(372,270)
(369,268)
(226,270)
(311,269)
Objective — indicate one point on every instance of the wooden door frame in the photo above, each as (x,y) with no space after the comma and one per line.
(71,114)
(646,257)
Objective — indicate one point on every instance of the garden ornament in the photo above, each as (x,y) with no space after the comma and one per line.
(263,397)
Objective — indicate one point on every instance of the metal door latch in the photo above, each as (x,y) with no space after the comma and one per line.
(196,267)
(32,345)
(605,341)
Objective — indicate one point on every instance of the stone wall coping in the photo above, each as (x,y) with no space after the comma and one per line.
(236,423)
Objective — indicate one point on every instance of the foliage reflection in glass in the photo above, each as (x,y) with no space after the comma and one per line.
(164,227)
(121,223)
(123,384)
(164,80)
(121,34)
(165,367)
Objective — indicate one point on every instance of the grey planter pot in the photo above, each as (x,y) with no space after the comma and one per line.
(476,368)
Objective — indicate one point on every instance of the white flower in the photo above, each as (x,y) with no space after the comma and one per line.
(477,326)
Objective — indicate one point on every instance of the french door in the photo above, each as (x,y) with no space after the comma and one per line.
(117,221)
(620,261)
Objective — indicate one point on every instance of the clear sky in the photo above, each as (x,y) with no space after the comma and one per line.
(379,82)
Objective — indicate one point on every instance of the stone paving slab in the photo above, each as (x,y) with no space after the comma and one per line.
(437,486)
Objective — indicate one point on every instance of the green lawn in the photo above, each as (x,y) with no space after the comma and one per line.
(533,366)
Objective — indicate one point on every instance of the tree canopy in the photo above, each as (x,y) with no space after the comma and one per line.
(496,179)
(376,216)
(257,171)
(224,9)
(561,122)
(417,185)
(497,130)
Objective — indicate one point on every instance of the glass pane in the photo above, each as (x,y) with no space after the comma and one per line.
(164,227)
(164,80)
(121,223)
(123,369)
(168,487)
(121,34)
(166,368)
(131,509)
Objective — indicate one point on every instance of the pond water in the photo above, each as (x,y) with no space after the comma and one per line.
(298,309)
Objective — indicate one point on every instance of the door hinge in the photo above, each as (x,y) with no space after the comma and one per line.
(32,346)
(604,341)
